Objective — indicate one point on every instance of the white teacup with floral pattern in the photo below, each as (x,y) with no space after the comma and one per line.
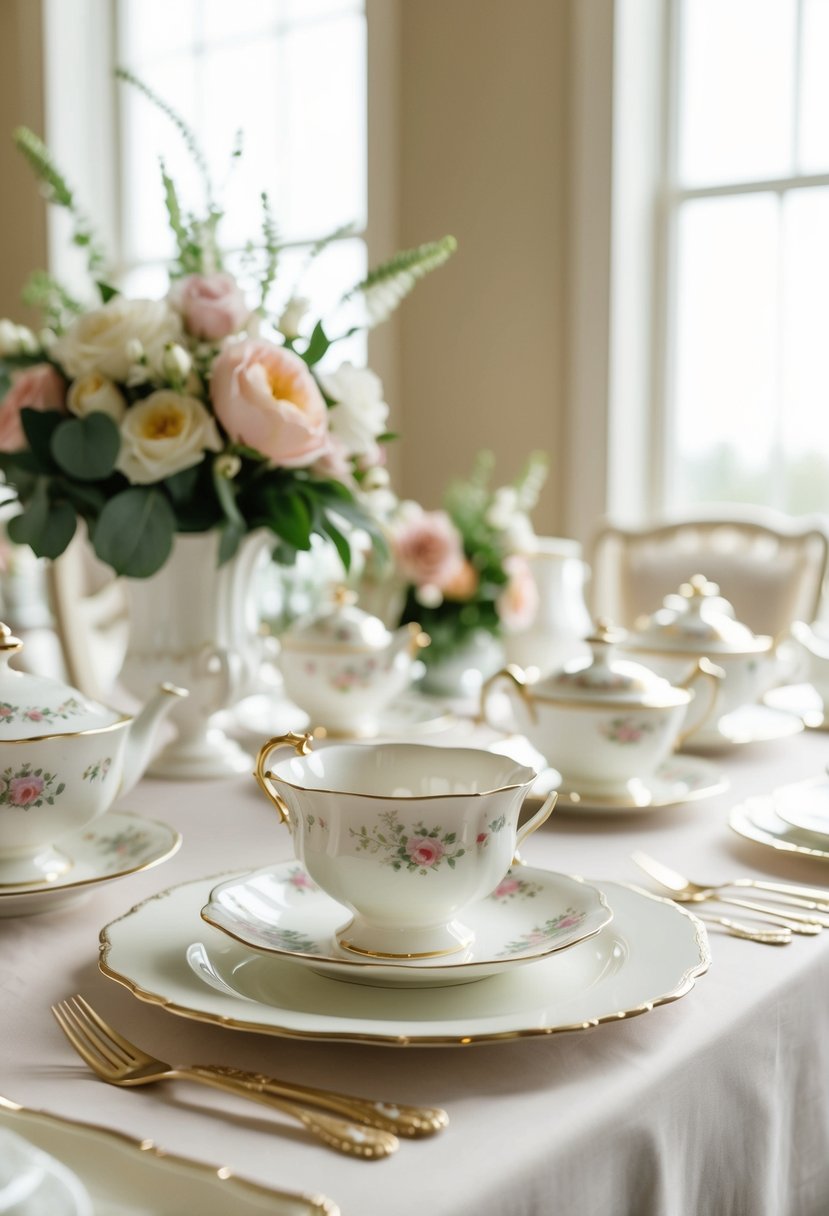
(405,836)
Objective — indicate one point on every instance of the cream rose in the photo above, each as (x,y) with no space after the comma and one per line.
(94,394)
(265,397)
(102,341)
(360,413)
(163,434)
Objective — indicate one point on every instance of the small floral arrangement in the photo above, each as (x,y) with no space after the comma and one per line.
(463,567)
(199,411)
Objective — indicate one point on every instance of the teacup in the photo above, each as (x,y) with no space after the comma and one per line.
(404,835)
(812,657)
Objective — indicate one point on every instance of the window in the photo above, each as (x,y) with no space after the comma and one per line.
(746,372)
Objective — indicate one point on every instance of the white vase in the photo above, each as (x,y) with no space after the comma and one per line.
(195,624)
(562,620)
(461,674)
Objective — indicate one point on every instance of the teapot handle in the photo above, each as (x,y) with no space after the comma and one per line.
(516,675)
(301,745)
(703,669)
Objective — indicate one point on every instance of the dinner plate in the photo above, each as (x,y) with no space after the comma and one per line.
(802,700)
(126,1177)
(650,953)
(748,724)
(756,819)
(112,846)
(805,805)
(280,913)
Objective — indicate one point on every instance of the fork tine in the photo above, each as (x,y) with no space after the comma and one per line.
(95,1061)
(128,1049)
(109,1050)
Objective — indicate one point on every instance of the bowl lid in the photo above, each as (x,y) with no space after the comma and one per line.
(697,620)
(33,706)
(339,628)
(601,676)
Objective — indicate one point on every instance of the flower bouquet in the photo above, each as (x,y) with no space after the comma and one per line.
(201,411)
(462,568)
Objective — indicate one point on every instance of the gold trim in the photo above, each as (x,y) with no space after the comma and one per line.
(683,986)
(319,1205)
(382,955)
(22,892)
(763,836)
(669,652)
(123,720)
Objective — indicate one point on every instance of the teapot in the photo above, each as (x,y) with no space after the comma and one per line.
(697,622)
(344,667)
(64,759)
(605,722)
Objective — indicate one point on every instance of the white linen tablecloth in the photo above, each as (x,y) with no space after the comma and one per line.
(715,1105)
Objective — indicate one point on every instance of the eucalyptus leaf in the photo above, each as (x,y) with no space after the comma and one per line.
(290,519)
(229,541)
(134,533)
(87,448)
(39,426)
(45,527)
(318,344)
(338,540)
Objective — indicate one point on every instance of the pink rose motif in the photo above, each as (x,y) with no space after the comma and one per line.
(428,549)
(34,715)
(424,850)
(265,397)
(507,886)
(212,305)
(569,921)
(6,711)
(517,604)
(302,882)
(35,388)
(24,790)
(482,838)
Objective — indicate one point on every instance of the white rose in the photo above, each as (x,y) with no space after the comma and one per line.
(103,340)
(177,362)
(289,323)
(26,340)
(9,340)
(95,394)
(360,413)
(163,434)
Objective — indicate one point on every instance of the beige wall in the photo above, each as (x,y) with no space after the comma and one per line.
(22,214)
(483,155)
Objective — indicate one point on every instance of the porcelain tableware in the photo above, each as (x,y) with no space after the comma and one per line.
(531,914)
(812,646)
(406,836)
(698,623)
(605,722)
(805,804)
(802,701)
(64,759)
(650,953)
(756,819)
(343,667)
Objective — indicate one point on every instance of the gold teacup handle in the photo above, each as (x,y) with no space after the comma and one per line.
(301,745)
(703,669)
(541,816)
(516,675)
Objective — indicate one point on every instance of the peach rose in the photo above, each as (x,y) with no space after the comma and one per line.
(212,305)
(428,549)
(518,602)
(35,388)
(265,397)
(464,584)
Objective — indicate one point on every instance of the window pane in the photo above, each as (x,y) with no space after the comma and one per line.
(814,88)
(726,374)
(230,18)
(337,269)
(150,28)
(736,89)
(804,425)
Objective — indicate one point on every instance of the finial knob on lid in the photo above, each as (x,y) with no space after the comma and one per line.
(8,642)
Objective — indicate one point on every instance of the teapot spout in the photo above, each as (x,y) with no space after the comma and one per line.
(142,733)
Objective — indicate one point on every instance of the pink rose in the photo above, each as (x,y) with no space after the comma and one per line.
(335,462)
(428,549)
(34,715)
(424,850)
(23,790)
(36,388)
(265,397)
(507,886)
(518,602)
(212,305)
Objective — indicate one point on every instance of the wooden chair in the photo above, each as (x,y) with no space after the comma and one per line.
(771,567)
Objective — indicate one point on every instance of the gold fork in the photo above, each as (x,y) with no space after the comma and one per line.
(116,1060)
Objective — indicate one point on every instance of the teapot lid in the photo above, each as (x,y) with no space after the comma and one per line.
(341,627)
(600,676)
(33,707)
(697,620)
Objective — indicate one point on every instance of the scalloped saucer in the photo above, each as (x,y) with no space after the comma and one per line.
(112,846)
(802,700)
(748,724)
(756,819)
(279,912)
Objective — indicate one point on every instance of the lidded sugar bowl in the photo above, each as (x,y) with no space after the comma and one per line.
(604,721)
(64,759)
(344,667)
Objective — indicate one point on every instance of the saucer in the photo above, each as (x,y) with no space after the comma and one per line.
(264,716)
(804,805)
(280,912)
(756,819)
(748,724)
(650,954)
(112,846)
(802,700)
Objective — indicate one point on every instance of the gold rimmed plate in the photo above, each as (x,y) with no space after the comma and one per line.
(757,819)
(280,913)
(110,847)
(650,954)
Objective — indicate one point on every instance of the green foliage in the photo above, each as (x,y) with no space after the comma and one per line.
(270,235)
(86,448)
(56,305)
(46,526)
(388,284)
(134,532)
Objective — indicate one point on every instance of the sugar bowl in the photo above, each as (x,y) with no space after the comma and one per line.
(344,667)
